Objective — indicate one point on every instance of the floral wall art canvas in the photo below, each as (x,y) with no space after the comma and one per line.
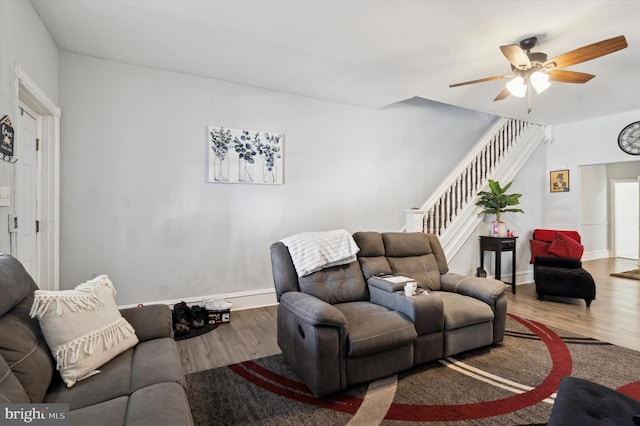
(245,156)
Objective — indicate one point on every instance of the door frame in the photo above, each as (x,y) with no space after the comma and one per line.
(27,223)
(612,213)
(30,95)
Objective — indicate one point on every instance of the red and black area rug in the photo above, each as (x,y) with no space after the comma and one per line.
(509,384)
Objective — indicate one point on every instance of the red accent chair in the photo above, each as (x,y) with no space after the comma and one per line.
(557,267)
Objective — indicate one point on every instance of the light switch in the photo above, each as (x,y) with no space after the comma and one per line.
(5,196)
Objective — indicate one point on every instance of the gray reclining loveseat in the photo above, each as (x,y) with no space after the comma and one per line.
(347,324)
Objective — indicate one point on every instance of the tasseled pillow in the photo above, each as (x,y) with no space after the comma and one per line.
(83,327)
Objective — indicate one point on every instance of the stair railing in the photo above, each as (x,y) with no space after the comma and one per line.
(459,190)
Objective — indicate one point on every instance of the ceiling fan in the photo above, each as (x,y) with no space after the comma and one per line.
(533,69)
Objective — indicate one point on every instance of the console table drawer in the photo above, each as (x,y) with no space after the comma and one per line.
(508,245)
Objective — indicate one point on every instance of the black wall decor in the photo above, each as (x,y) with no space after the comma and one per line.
(8,136)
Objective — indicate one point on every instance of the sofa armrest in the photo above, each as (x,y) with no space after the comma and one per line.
(486,289)
(312,310)
(150,321)
(426,311)
(558,262)
(312,335)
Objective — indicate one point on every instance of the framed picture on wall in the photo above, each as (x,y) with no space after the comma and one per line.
(245,156)
(559,181)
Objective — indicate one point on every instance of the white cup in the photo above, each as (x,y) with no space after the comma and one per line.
(410,288)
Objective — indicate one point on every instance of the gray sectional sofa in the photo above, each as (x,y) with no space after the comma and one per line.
(142,386)
(347,324)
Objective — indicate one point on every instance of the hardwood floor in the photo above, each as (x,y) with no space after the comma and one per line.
(614,317)
(250,334)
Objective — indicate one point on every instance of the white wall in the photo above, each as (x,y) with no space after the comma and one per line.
(624,219)
(596,199)
(25,41)
(135,204)
(590,142)
(590,151)
(594,210)
(532,184)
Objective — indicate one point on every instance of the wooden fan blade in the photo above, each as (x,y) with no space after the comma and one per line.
(587,53)
(562,76)
(482,80)
(516,56)
(502,95)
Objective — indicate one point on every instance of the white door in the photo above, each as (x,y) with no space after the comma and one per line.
(26,194)
(625,219)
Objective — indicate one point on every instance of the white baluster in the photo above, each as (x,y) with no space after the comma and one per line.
(461,190)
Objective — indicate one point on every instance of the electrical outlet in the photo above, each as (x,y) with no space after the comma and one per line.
(5,196)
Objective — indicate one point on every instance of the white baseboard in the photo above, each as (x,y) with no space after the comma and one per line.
(593,255)
(240,300)
(521,277)
(524,277)
(267,297)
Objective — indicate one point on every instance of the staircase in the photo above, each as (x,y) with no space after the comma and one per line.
(451,212)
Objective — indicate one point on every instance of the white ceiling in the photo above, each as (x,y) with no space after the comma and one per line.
(370,53)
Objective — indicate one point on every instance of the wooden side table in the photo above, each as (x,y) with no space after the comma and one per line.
(500,245)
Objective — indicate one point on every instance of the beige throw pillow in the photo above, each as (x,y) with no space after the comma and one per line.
(83,327)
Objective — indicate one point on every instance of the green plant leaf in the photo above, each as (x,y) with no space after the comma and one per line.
(496,200)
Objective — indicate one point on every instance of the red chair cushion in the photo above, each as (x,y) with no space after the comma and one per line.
(550,234)
(539,248)
(565,246)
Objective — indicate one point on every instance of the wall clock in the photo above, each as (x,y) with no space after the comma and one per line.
(629,139)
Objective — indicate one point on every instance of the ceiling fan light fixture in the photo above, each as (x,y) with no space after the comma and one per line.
(540,81)
(517,87)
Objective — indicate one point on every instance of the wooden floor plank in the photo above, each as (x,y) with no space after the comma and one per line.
(614,317)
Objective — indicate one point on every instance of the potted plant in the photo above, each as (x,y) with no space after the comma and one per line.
(497,201)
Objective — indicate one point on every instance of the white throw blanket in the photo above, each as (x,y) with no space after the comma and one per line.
(313,251)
